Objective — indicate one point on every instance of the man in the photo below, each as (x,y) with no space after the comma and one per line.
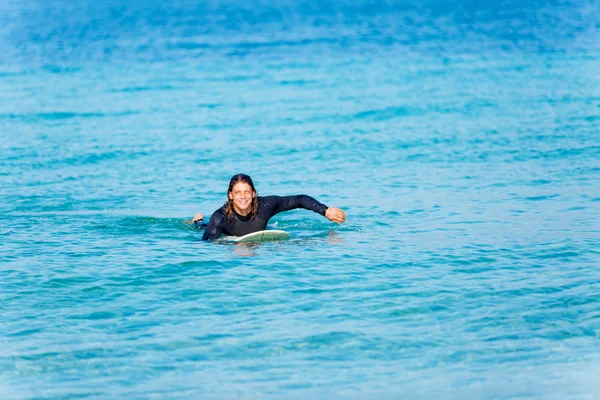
(245,212)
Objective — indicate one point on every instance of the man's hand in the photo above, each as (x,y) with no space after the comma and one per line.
(335,214)
(198,217)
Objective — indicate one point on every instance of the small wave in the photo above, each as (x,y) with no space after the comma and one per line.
(63,115)
(388,113)
(134,89)
(541,198)
(297,82)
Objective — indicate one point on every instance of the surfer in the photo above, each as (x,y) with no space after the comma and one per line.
(246,212)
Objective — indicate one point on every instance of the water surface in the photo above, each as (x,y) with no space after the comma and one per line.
(460,138)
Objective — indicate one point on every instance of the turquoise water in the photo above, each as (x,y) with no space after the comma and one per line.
(460,138)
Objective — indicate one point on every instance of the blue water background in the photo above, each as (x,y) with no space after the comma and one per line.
(461,138)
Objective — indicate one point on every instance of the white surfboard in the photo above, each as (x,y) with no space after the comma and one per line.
(260,236)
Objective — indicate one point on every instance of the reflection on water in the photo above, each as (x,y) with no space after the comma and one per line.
(245,249)
(334,237)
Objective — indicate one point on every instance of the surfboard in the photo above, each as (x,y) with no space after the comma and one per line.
(260,236)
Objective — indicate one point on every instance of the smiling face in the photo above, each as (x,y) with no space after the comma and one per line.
(242,196)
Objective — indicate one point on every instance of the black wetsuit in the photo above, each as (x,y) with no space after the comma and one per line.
(268,206)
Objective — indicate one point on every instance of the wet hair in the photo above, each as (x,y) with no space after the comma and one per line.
(243,178)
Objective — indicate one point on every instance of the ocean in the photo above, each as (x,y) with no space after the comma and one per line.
(461,139)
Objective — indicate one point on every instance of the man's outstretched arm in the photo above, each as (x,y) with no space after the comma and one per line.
(286,203)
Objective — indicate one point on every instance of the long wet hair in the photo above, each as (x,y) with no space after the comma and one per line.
(229,210)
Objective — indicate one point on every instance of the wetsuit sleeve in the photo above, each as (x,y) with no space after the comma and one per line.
(285,203)
(215,226)
(200,224)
